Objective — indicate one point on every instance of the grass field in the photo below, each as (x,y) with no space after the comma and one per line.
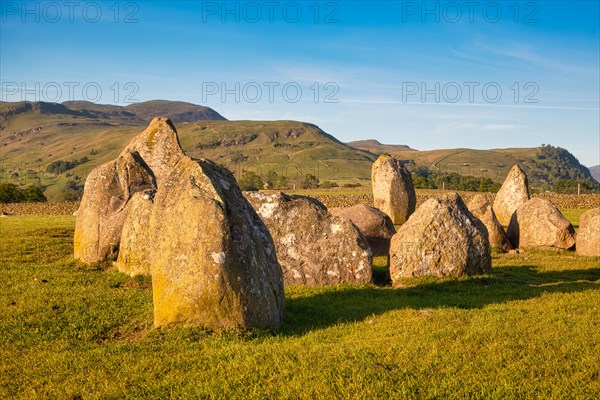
(529,329)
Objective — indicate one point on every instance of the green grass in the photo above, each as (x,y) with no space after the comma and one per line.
(573,215)
(529,329)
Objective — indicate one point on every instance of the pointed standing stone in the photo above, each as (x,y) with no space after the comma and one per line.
(393,191)
(513,193)
(213,260)
(481,208)
(104,206)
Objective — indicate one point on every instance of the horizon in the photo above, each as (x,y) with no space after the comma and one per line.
(433,75)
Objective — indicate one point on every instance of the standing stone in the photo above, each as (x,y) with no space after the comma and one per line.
(538,223)
(377,227)
(442,239)
(393,191)
(213,261)
(142,165)
(513,193)
(588,235)
(313,246)
(104,206)
(135,248)
(481,209)
(158,145)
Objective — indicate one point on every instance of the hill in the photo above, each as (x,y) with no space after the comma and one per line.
(595,172)
(373,146)
(544,165)
(57,145)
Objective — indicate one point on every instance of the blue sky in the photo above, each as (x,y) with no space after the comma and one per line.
(431,75)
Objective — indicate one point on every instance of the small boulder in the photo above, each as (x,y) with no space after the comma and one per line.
(377,226)
(213,261)
(513,193)
(313,246)
(393,191)
(135,247)
(441,239)
(481,209)
(104,206)
(588,235)
(538,223)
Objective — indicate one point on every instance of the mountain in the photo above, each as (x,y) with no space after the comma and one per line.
(57,145)
(595,171)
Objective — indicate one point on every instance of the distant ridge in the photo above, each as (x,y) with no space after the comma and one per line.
(595,171)
(133,114)
(375,147)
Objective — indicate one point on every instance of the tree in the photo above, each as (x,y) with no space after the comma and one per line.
(34,194)
(10,193)
(250,181)
(310,182)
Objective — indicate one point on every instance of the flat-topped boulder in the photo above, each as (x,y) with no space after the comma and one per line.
(313,246)
(213,261)
(588,235)
(513,193)
(377,226)
(393,191)
(441,239)
(481,208)
(538,223)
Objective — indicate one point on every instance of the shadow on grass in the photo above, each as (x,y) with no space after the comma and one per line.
(328,307)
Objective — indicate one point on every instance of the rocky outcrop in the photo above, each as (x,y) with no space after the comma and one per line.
(513,193)
(393,191)
(441,239)
(538,223)
(313,246)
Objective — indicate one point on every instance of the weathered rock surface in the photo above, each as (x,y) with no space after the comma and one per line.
(393,191)
(142,165)
(538,223)
(377,227)
(588,235)
(213,261)
(481,209)
(135,248)
(441,239)
(104,205)
(313,246)
(513,193)
(158,145)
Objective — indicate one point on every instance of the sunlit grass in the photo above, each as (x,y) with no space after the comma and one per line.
(528,329)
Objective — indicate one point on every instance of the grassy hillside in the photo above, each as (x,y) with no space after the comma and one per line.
(544,165)
(36,135)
